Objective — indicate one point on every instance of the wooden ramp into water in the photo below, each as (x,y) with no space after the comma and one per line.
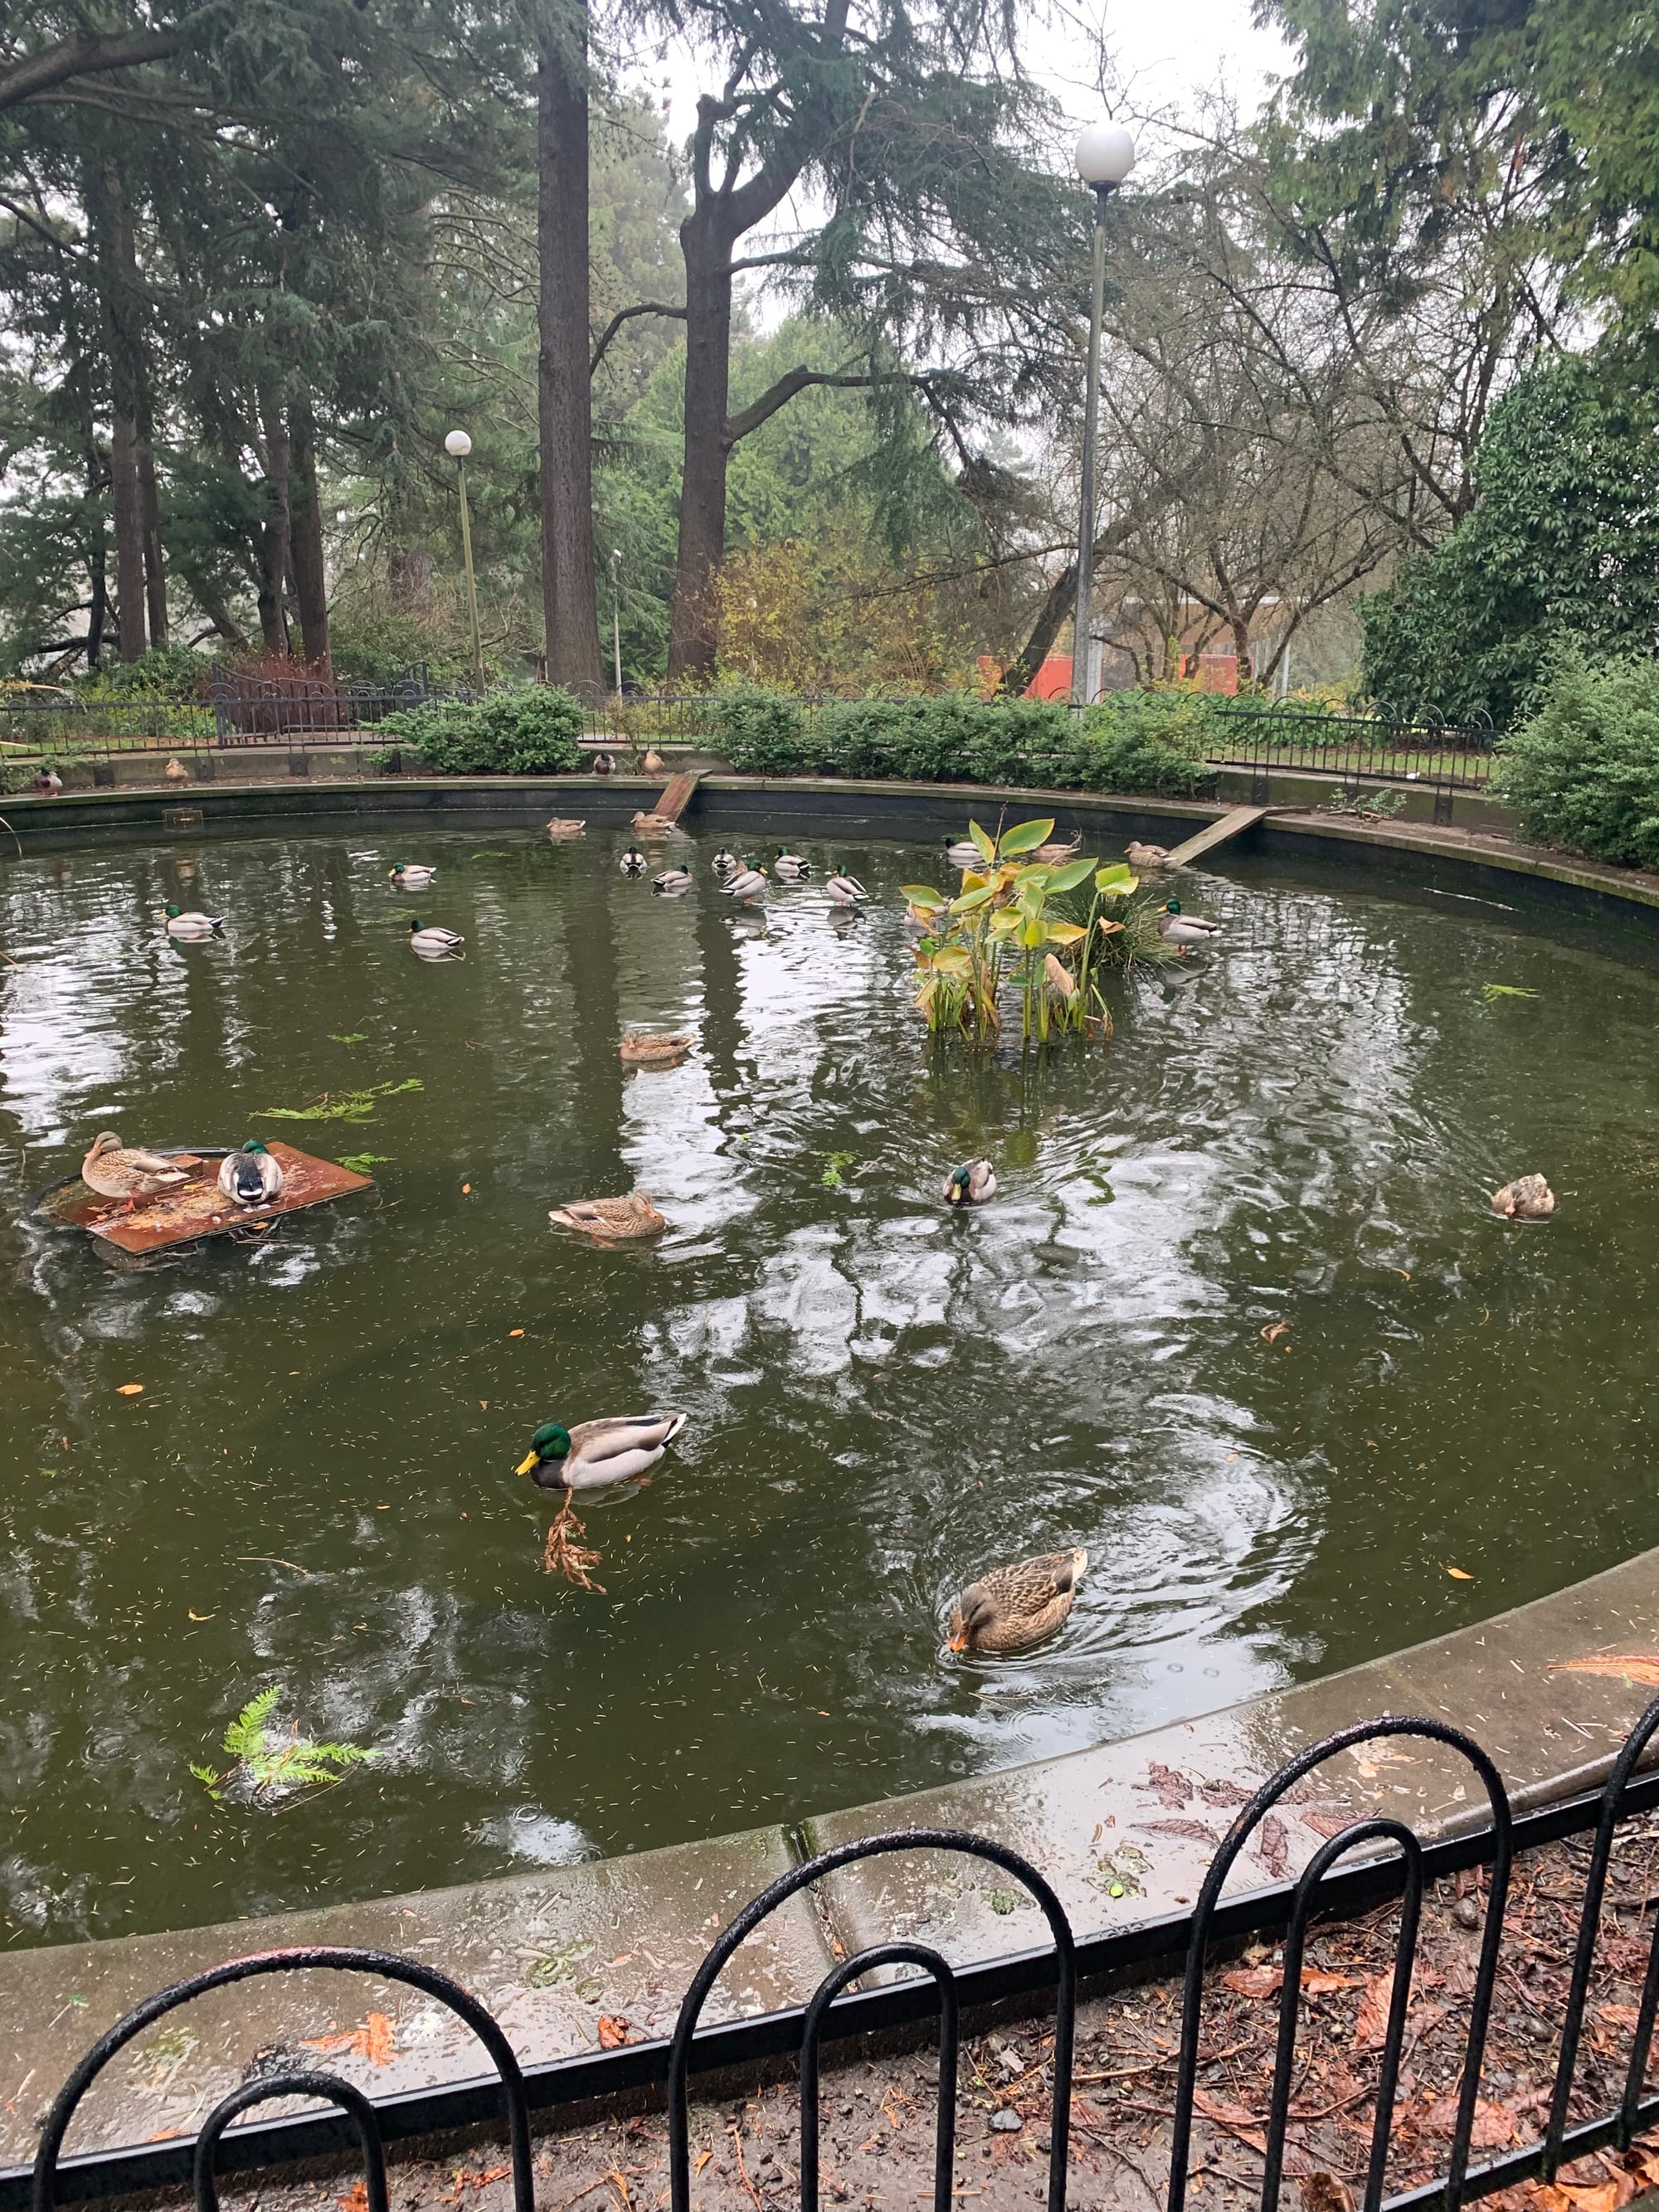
(673,803)
(1218,833)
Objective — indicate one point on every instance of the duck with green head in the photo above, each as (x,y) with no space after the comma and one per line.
(250,1176)
(412,876)
(595,1453)
(970,1184)
(1185,930)
(193,928)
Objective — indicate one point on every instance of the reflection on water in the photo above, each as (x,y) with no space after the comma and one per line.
(315,1486)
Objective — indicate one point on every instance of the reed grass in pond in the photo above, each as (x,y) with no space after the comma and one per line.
(1241,1321)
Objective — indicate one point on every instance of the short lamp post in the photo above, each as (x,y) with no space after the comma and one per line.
(616,612)
(1105,155)
(458,446)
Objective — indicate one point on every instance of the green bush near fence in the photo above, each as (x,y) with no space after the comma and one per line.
(1141,742)
(528,732)
(1583,771)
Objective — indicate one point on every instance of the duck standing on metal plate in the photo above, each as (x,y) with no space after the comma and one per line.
(250,1176)
(114,1170)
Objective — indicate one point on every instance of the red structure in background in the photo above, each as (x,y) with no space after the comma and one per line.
(1052,681)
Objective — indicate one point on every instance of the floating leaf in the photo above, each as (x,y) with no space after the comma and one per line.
(128,1390)
(1491,991)
(1459,1575)
(832,1177)
(356,1036)
(341,1105)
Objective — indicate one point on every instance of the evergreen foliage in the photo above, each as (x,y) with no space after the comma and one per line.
(532,731)
(1583,771)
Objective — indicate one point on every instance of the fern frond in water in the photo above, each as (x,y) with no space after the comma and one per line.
(356,1106)
(265,1762)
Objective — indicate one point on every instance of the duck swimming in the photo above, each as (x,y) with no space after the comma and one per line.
(250,1176)
(725,862)
(1146,856)
(971,1184)
(963,853)
(633,862)
(653,1048)
(412,876)
(1528,1198)
(432,941)
(191,928)
(595,1453)
(611,1220)
(672,882)
(564,825)
(1011,1607)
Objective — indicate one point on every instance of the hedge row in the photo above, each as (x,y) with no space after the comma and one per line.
(1137,741)
(532,731)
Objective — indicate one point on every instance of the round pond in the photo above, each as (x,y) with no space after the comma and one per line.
(1242,1321)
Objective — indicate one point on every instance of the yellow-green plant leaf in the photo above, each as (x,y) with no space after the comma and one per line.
(971,900)
(1068,932)
(1068,877)
(1025,837)
(1005,919)
(984,841)
(919,895)
(1034,933)
(1117,881)
(954,960)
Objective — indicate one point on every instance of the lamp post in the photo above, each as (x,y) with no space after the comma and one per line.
(616,612)
(457,445)
(1105,155)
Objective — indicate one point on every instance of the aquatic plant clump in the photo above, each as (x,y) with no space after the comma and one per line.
(266,1765)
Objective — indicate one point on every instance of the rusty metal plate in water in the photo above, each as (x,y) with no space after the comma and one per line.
(200,1208)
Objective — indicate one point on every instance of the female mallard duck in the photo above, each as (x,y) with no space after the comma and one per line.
(650,1049)
(789,868)
(432,941)
(250,1176)
(843,889)
(963,853)
(1146,856)
(1185,929)
(725,862)
(192,928)
(562,826)
(970,1184)
(1058,851)
(596,1453)
(672,883)
(412,876)
(113,1171)
(657,825)
(1528,1198)
(1011,1607)
(610,1220)
(746,884)
(633,862)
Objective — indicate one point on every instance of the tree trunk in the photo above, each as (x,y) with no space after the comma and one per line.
(149,516)
(115,259)
(97,611)
(275,538)
(305,512)
(694,629)
(129,537)
(564,414)
(409,578)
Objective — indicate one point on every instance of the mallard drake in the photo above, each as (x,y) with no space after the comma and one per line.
(562,826)
(725,862)
(113,1171)
(672,882)
(597,1453)
(603,764)
(789,868)
(970,1184)
(1528,1198)
(432,940)
(747,882)
(191,928)
(1011,1607)
(963,853)
(633,862)
(412,876)
(843,889)
(650,1049)
(1185,929)
(611,1219)
(1146,856)
(250,1176)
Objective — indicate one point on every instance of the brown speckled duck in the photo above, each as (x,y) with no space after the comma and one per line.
(1528,1198)
(116,1170)
(1011,1607)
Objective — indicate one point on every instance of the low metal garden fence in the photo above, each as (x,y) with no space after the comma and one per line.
(1370,1863)
(1356,750)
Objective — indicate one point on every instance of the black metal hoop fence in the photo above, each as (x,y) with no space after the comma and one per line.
(1371,1863)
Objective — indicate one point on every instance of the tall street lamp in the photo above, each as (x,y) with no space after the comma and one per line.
(616,612)
(1105,155)
(457,445)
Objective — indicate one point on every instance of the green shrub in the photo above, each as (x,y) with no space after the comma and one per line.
(166,671)
(1583,771)
(1146,741)
(758,730)
(528,732)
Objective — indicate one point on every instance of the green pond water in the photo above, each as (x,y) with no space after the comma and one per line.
(315,1486)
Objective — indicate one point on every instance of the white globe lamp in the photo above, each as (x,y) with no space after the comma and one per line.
(1105,154)
(457,445)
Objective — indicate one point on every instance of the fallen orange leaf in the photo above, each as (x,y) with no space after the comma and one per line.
(1266,1981)
(355,2199)
(1623,1667)
(375,2040)
(128,1390)
(613,2031)
(1273,1331)
(515,1332)
(466,1190)
(704,2157)
(1458,1574)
